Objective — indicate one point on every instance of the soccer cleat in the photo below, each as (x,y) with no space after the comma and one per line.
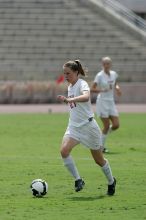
(79,185)
(111,188)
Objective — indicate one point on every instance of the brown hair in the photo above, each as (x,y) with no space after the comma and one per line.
(75,66)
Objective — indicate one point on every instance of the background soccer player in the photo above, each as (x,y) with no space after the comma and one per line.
(82,127)
(105,85)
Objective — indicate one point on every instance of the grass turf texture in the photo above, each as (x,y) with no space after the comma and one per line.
(29,149)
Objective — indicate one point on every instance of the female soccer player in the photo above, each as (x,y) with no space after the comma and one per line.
(82,128)
(104,85)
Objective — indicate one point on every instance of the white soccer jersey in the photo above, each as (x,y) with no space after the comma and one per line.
(105,81)
(80,112)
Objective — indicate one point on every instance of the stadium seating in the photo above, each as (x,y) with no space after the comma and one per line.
(38,36)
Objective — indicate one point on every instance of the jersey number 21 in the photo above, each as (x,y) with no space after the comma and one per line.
(72,104)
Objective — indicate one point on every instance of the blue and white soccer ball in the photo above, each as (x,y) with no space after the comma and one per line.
(39,187)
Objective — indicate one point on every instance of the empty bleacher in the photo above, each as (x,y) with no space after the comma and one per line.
(38,36)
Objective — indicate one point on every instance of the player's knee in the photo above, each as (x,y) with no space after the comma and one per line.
(64,152)
(106,128)
(115,126)
(100,161)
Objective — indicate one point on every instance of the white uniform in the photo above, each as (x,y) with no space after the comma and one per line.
(105,104)
(82,127)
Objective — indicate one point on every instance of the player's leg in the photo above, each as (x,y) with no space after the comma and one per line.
(90,136)
(103,163)
(114,118)
(68,144)
(106,127)
(102,110)
(115,123)
(105,166)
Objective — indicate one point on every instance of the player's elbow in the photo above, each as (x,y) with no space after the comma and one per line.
(86,98)
(92,90)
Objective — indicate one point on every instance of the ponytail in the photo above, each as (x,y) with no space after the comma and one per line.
(80,68)
(76,66)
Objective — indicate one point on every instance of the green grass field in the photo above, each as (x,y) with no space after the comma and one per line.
(29,149)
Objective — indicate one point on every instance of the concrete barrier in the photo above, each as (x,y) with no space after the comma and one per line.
(30,92)
(46,92)
(131,93)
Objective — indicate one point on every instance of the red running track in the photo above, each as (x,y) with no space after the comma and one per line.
(61,108)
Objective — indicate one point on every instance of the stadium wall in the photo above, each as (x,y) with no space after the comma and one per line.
(46,92)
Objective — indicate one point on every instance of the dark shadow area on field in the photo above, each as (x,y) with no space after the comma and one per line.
(132,149)
(43,197)
(89,198)
(112,153)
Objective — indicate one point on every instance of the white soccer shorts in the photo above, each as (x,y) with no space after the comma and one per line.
(89,134)
(106,108)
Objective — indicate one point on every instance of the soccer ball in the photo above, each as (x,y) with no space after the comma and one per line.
(39,187)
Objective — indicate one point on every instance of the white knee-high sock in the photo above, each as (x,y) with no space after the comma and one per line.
(70,165)
(103,139)
(110,129)
(104,136)
(108,173)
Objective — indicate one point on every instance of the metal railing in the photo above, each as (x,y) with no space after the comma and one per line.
(123,12)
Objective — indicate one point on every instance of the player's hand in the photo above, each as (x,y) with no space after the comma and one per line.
(70,100)
(118,90)
(62,98)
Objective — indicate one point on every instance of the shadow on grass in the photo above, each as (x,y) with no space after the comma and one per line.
(88,198)
(112,153)
(41,197)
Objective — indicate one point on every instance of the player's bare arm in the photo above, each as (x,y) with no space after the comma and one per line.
(118,90)
(82,98)
(96,89)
